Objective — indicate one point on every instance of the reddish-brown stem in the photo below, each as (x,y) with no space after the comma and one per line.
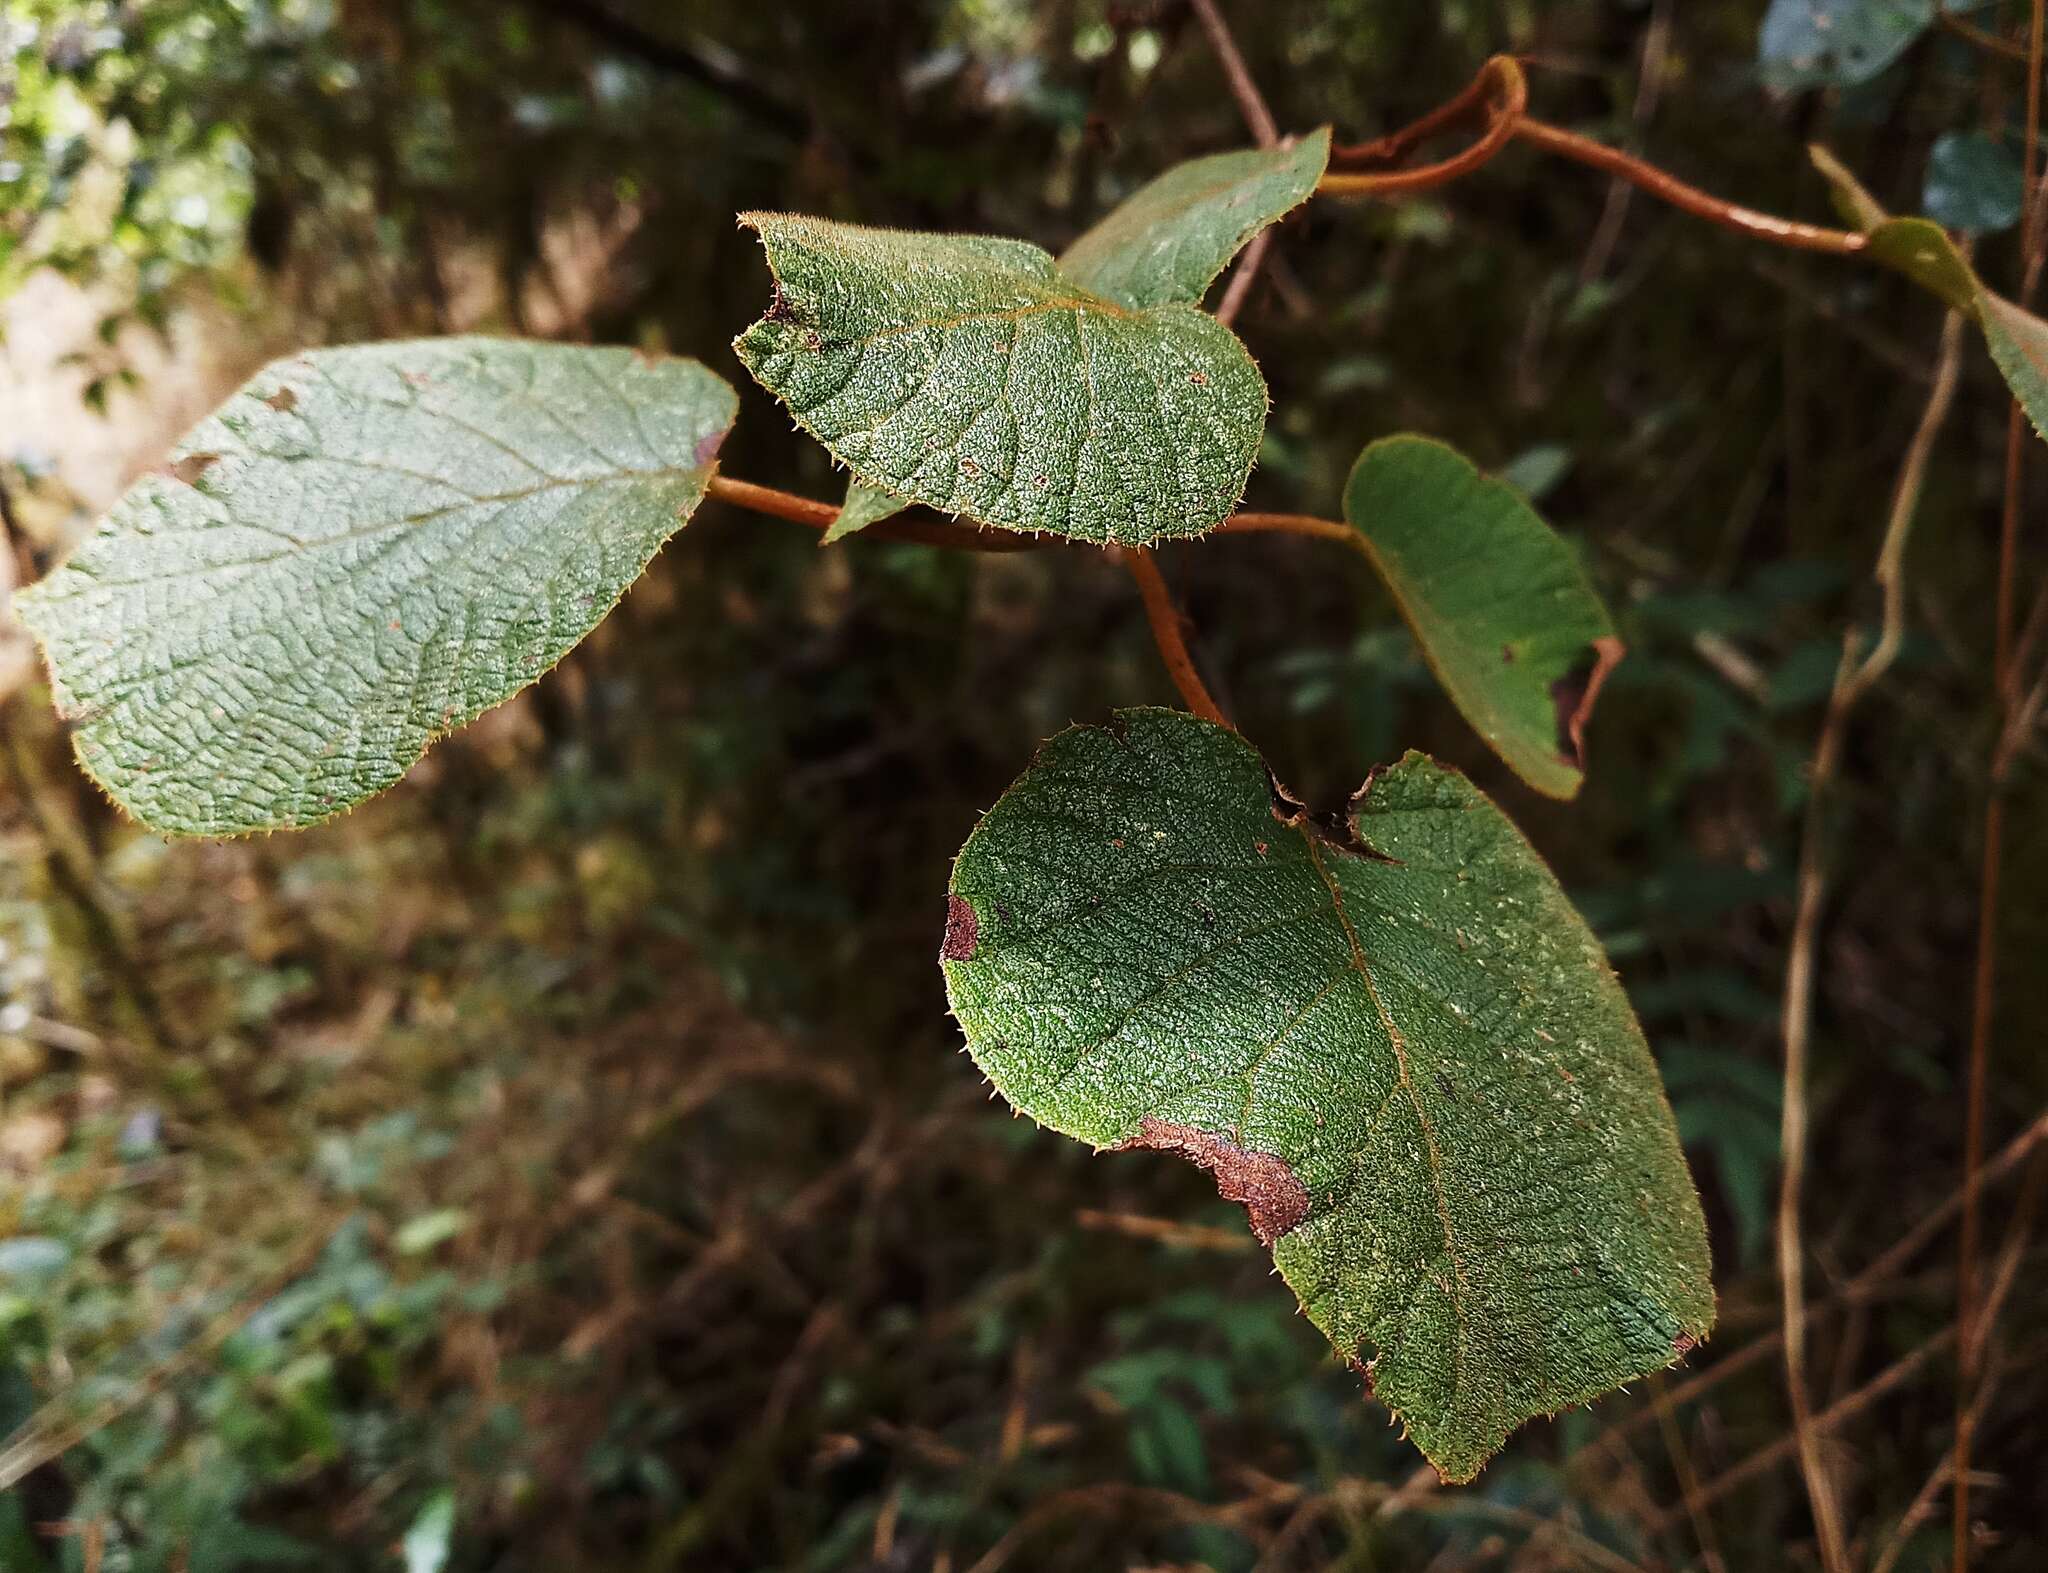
(1251,103)
(1289,524)
(1984,983)
(819,516)
(1500,92)
(1982,38)
(1690,199)
(1469,104)
(1504,93)
(1164,617)
(931,532)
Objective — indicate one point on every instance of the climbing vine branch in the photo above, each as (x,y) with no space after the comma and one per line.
(1498,97)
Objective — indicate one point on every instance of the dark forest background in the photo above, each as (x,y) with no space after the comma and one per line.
(564,1161)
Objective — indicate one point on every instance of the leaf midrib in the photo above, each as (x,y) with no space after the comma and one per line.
(1400,1047)
(361,532)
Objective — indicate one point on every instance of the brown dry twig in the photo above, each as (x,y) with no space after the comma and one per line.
(1854,678)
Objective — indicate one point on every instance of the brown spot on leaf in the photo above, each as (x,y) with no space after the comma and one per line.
(779,309)
(963,931)
(1575,692)
(1507,655)
(191,467)
(1362,1369)
(1199,379)
(284,401)
(1274,1199)
(1683,1345)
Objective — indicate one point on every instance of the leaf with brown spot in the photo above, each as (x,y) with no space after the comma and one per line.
(1398,1045)
(1274,1200)
(364,547)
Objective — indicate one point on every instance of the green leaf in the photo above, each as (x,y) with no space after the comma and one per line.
(362,550)
(1836,43)
(963,372)
(864,505)
(2018,341)
(1498,602)
(1395,1041)
(1973,182)
(1170,239)
(1922,250)
(431,1535)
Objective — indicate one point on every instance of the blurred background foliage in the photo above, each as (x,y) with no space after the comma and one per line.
(564,1163)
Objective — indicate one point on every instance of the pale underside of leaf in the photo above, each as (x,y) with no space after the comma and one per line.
(965,373)
(1504,613)
(864,505)
(1414,1027)
(1170,239)
(363,549)
(1836,43)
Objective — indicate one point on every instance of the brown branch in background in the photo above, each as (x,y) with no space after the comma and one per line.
(1470,104)
(1895,1376)
(1857,1290)
(679,59)
(1688,1478)
(1853,680)
(1981,38)
(1289,524)
(1244,277)
(1984,983)
(1249,100)
(1649,88)
(1164,617)
(1251,103)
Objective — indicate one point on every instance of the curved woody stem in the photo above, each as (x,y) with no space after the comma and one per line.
(1165,619)
(1500,93)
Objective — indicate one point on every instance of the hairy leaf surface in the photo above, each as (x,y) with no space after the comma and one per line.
(964,372)
(363,549)
(1397,1043)
(864,505)
(1170,239)
(1498,602)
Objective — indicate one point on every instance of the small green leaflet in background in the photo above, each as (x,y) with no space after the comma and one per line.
(1836,43)
(964,372)
(1170,239)
(362,550)
(1973,183)
(1396,1042)
(431,1535)
(1922,250)
(1497,600)
(864,505)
